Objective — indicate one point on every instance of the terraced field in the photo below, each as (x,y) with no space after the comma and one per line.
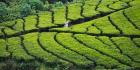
(101,34)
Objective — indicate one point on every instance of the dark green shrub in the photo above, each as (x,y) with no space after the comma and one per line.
(36,4)
(3,11)
(52,1)
(44,1)
(25,10)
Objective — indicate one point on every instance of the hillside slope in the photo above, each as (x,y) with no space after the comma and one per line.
(95,34)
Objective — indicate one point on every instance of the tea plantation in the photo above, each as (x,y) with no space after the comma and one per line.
(86,35)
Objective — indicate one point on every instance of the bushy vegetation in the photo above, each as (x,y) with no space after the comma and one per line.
(47,40)
(12,9)
(81,35)
(74,45)
(11,64)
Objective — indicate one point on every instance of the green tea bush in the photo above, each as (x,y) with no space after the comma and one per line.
(137,41)
(3,52)
(69,42)
(32,46)
(14,45)
(105,25)
(128,47)
(94,43)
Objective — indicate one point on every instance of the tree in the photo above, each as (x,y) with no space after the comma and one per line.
(3,11)
(5,1)
(64,1)
(70,0)
(52,1)
(36,4)
(25,10)
(44,1)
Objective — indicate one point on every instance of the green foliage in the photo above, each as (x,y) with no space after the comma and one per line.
(93,30)
(106,38)
(127,27)
(94,43)
(45,19)
(118,5)
(3,11)
(105,25)
(74,11)
(44,1)
(14,65)
(3,52)
(103,6)
(137,41)
(133,15)
(36,4)
(32,46)
(127,47)
(31,22)
(25,10)
(59,15)
(49,43)
(1,33)
(17,51)
(12,9)
(88,10)
(69,42)
(17,26)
